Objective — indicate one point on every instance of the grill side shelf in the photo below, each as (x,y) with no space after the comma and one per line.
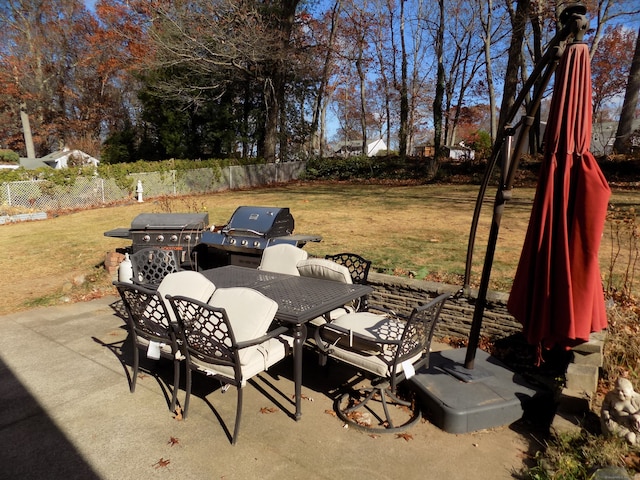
(118,233)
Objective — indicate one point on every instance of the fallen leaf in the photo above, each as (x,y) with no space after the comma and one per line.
(268,410)
(173,441)
(374,435)
(178,413)
(162,463)
(330,412)
(406,436)
(302,397)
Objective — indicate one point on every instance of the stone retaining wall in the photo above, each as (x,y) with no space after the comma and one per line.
(401,294)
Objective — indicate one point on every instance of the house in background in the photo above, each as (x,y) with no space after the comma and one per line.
(60,159)
(603,136)
(424,150)
(458,152)
(354,147)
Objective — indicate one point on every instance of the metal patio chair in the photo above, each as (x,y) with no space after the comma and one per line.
(326,270)
(228,339)
(151,322)
(388,348)
(358,269)
(151,265)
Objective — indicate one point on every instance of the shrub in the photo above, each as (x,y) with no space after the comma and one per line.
(9,156)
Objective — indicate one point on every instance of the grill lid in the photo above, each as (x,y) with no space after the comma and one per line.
(265,222)
(170,221)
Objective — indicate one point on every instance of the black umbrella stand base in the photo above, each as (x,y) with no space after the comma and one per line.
(459,371)
(460,400)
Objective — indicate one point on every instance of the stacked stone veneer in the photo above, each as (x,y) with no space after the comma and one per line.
(402,294)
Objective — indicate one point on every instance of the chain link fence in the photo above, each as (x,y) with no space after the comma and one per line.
(43,195)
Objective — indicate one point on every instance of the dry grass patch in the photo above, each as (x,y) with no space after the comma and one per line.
(421,230)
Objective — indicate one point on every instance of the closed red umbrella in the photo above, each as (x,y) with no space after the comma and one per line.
(557,291)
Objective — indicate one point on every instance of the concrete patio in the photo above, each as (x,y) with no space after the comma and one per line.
(67,413)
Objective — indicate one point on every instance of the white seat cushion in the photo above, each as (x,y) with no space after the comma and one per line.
(282,258)
(249,311)
(365,352)
(255,359)
(371,363)
(333,314)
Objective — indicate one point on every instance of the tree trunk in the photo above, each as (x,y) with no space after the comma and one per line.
(440,86)
(271,122)
(324,80)
(363,108)
(534,134)
(276,74)
(487,27)
(625,126)
(518,21)
(404,94)
(26,130)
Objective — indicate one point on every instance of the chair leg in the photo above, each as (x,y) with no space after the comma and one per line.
(236,428)
(322,359)
(187,395)
(377,393)
(176,384)
(136,366)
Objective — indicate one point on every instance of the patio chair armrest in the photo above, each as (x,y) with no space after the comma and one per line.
(386,311)
(267,336)
(325,345)
(148,286)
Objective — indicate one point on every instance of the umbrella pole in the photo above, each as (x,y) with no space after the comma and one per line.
(503,195)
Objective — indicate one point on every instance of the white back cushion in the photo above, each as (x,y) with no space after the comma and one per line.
(282,258)
(185,283)
(249,311)
(325,269)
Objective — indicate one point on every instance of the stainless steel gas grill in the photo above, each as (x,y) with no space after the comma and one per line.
(167,231)
(243,239)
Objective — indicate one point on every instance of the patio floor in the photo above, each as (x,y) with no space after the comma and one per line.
(67,413)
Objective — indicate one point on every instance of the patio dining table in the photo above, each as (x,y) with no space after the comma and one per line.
(299,299)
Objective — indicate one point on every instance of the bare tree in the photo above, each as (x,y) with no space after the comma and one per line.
(519,18)
(210,47)
(404,90)
(603,12)
(625,126)
(486,20)
(333,21)
(440,81)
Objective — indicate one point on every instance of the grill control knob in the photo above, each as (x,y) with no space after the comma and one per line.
(146,238)
(187,238)
(160,238)
(244,243)
(173,238)
(232,241)
(256,244)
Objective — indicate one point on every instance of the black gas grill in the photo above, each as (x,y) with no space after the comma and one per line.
(243,239)
(166,231)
